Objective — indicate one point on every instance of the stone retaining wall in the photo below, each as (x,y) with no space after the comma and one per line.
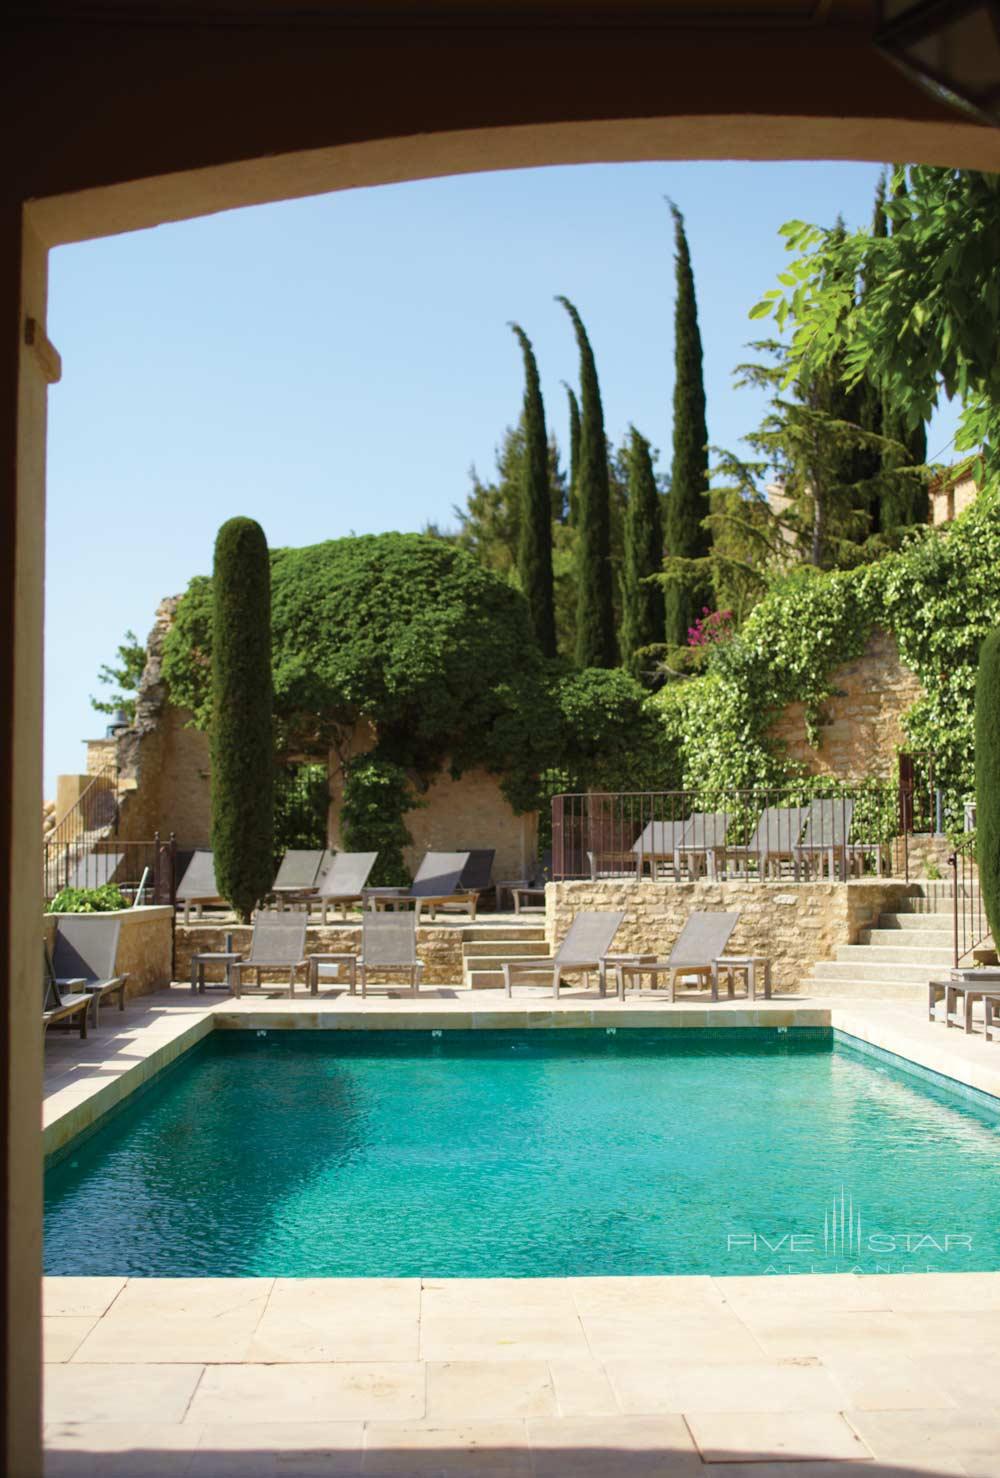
(143,946)
(439,948)
(793,924)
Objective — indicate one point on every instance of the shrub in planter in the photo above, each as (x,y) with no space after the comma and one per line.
(88,900)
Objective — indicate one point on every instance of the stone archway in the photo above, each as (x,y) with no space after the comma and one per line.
(120,116)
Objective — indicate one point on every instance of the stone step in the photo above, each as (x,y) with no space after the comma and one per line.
(504,948)
(831,971)
(484,931)
(915,921)
(906,938)
(495,962)
(483,979)
(874,954)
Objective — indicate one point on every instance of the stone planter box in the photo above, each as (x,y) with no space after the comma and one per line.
(144,945)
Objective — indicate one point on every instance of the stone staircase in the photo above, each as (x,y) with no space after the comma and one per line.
(895,959)
(484,954)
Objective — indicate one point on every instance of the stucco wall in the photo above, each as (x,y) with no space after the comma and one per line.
(144,946)
(793,924)
(861,724)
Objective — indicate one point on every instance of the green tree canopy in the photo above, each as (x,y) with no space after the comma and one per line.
(123,677)
(642,602)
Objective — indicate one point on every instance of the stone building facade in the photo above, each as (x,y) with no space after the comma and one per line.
(861,724)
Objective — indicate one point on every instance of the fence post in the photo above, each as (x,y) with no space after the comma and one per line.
(558,840)
(953,864)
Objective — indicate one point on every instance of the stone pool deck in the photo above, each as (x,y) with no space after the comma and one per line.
(595,1376)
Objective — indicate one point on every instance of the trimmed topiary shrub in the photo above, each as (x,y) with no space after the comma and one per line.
(988,777)
(242,728)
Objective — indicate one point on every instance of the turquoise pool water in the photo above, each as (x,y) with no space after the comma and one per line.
(525,1154)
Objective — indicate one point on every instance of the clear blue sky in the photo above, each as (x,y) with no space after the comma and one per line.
(335,365)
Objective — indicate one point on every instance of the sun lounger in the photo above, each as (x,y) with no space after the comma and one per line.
(278,943)
(659,845)
(63,1002)
(438,881)
(824,840)
(389,943)
(86,948)
(775,840)
(614,865)
(343,881)
(198,885)
(93,870)
(584,949)
(699,947)
(300,870)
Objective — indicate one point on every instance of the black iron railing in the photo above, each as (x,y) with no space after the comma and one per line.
(143,870)
(969,924)
(757,833)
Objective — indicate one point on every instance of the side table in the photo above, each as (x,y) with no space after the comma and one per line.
(350,961)
(212,957)
(749,964)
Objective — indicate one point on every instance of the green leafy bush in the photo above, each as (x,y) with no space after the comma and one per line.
(377,794)
(104,899)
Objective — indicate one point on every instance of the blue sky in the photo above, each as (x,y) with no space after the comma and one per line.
(336,365)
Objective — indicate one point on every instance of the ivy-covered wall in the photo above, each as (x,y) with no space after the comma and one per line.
(938,597)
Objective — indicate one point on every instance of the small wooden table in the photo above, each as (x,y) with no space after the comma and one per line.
(211,957)
(638,966)
(332,959)
(749,964)
(970,990)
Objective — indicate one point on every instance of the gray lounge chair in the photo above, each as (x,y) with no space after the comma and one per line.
(824,840)
(198,885)
(86,949)
(775,840)
(477,874)
(585,948)
(659,844)
(278,943)
(438,881)
(699,945)
(61,1002)
(343,881)
(300,870)
(94,869)
(389,942)
(609,864)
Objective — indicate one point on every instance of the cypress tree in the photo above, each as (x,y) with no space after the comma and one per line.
(242,734)
(574,447)
(642,604)
(534,550)
(687,501)
(595,628)
(988,778)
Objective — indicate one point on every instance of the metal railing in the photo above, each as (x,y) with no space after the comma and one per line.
(111,860)
(969,923)
(787,832)
(89,822)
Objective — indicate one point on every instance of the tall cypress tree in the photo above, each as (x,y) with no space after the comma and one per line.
(534,550)
(574,447)
(642,604)
(595,627)
(242,733)
(687,501)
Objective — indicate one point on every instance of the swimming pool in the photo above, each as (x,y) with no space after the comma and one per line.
(530,1154)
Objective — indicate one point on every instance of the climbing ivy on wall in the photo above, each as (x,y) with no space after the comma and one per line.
(938,596)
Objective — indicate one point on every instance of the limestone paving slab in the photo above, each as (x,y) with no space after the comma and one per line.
(122,1393)
(317,1319)
(344,1391)
(179,1320)
(63,1334)
(492,1389)
(278,1450)
(736,1436)
(643,1387)
(496,1449)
